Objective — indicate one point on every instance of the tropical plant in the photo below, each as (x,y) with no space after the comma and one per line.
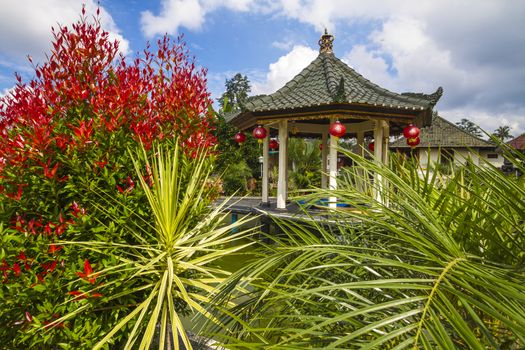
(429,264)
(305,164)
(235,178)
(64,133)
(502,133)
(233,157)
(170,269)
(236,163)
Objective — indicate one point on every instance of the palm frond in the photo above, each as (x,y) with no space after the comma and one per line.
(438,263)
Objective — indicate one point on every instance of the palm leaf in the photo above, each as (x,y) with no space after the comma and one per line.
(439,266)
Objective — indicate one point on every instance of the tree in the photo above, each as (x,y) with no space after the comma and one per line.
(502,133)
(469,127)
(237,90)
(305,163)
(236,162)
(65,138)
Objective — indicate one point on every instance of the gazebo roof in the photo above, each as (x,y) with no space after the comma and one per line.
(328,86)
(443,133)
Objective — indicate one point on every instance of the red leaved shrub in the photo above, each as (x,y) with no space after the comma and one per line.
(66,133)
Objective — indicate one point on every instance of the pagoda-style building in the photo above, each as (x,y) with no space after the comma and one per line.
(326,91)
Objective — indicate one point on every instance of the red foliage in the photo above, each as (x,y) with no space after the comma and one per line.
(83,96)
(70,127)
(160,95)
(88,274)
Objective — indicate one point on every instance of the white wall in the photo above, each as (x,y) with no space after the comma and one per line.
(497,162)
(460,156)
(424,156)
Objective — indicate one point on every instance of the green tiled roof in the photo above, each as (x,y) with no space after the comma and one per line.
(443,133)
(318,84)
(329,81)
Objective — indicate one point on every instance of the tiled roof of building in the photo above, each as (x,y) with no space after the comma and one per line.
(443,133)
(518,142)
(328,82)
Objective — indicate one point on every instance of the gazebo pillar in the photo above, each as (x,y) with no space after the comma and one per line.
(361,143)
(332,200)
(282,185)
(264,175)
(360,151)
(324,160)
(386,139)
(379,143)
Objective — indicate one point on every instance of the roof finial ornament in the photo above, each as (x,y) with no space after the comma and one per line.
(325,43)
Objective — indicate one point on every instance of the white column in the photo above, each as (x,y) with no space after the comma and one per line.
(378,154)
(384,158)
(264,174)
(386,139)
(361,143)
(360,151)
(324,160)
(282,185)
(333,170)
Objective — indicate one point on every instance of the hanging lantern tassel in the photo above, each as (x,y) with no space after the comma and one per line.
(259,133)
(240,138)
(337,130)
(413,142)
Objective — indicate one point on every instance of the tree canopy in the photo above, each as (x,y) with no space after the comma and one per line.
(502,133)
(469,127)
(237,90)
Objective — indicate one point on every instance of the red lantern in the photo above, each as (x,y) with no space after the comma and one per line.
(320,146)
(259,133)
(413,142)
(274,145)
(239,138)
(371,146)
(411,131)
(337,129)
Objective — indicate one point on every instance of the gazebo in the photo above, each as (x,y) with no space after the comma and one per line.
(325,92)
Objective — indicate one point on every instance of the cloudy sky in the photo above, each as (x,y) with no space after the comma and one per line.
(475,49)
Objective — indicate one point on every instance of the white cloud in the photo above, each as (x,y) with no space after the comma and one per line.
(185,13)
(489,121)
(473,49)
(283,44)
(370,65)
(284,69)
(419,62)
(25,28)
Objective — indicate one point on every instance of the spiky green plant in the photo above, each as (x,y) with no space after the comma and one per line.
(441,266)
(172,267)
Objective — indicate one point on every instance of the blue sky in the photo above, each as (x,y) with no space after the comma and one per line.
(474,49)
